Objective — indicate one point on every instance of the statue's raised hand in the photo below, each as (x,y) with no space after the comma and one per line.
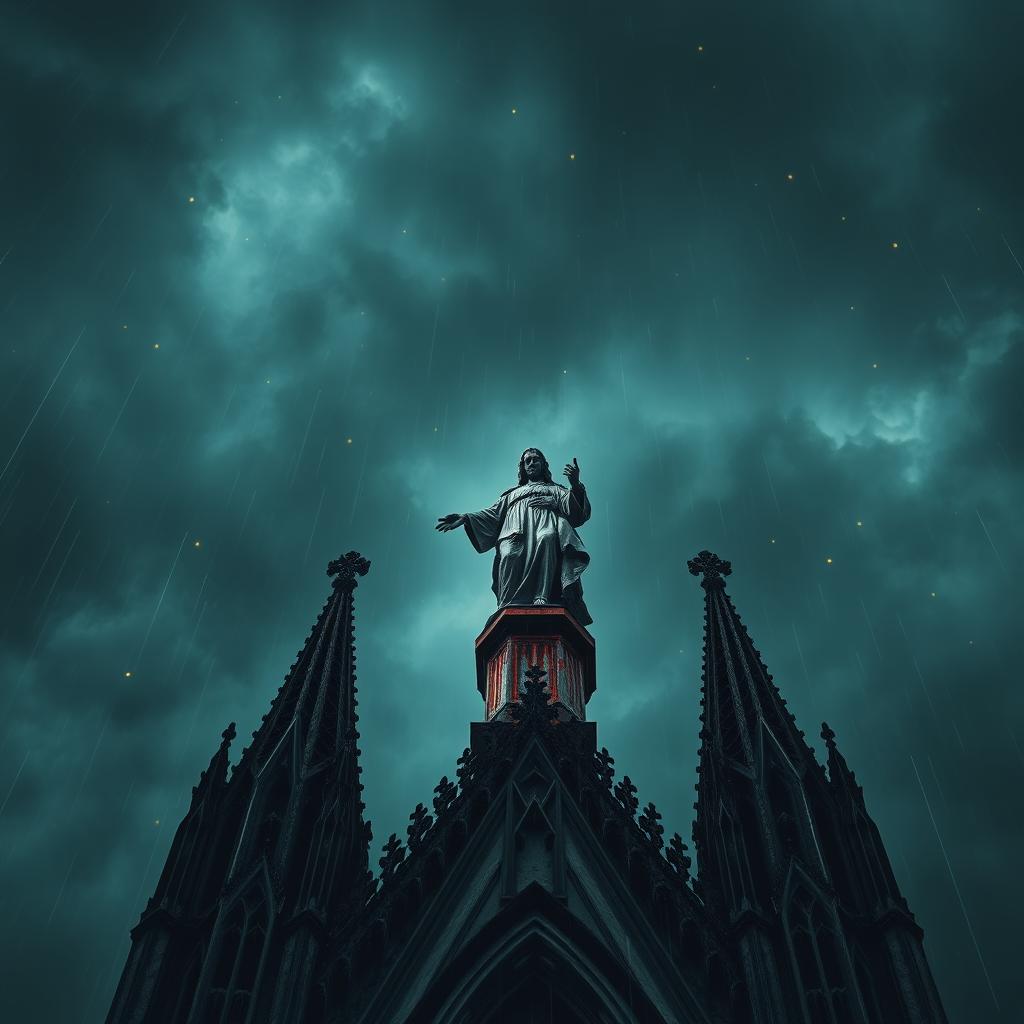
(450,522)
(572,471)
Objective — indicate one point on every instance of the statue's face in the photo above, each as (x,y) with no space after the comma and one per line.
(533,463)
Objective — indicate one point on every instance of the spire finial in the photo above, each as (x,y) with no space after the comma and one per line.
(346,568)
(707,564)
(533,708)
(228,735)
(828,735)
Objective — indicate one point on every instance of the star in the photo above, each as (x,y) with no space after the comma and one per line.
(895,245)
(348,440)
(514,111)
(127,675)
(191,199)
(156,344)
(859,523)
(874,366)
(828,561)
(572,156)
(196,544)
(700,47)
(789,177)
(771,540)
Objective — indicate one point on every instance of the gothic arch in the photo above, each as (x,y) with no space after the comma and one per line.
(820,959)
(787,802)
(266,816)
(238,948)
(534,952)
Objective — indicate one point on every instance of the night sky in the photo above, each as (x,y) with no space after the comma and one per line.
(281,281)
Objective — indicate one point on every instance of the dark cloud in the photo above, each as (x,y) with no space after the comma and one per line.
(335,227)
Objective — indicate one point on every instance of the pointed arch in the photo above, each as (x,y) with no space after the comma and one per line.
(324,851)
(783,786)
(821,962)
(238,950)
(535,954)
(266,815)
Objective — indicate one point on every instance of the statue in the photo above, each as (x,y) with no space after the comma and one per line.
(538,555)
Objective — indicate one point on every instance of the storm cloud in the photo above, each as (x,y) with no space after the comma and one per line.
(275,284)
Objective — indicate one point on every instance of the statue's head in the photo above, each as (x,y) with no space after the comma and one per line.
(533,467)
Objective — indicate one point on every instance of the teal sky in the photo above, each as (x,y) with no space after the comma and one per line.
(276,283)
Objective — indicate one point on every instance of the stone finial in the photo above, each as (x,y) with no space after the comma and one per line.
(394,854)
(650,825)
(605,772)
(466,766)
(347,568)
(709,565)
(678,856)
(419,824)
(446,792)
(625,793)
(533,707)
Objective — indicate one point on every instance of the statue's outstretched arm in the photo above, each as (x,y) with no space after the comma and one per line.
(452,521)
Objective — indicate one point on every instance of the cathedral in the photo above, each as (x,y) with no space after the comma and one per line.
(537,887)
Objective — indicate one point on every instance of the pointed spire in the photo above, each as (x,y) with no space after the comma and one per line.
(319,690)
(737,688)
(216,773)
(839,773)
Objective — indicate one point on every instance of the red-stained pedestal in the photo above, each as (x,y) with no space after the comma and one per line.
(519,638)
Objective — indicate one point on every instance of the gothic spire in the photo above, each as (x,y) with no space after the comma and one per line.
(738,691)
(215,776)
(319,692)
(840,776)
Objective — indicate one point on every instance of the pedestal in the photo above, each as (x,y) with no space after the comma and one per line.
(550,637)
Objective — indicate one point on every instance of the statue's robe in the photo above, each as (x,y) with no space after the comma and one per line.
(538,555)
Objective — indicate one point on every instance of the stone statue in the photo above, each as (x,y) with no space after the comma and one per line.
(538,555)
